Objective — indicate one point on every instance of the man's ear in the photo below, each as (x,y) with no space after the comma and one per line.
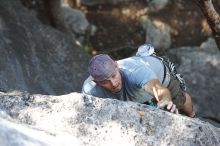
(97,82)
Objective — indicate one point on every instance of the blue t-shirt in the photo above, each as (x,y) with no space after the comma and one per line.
(136,71)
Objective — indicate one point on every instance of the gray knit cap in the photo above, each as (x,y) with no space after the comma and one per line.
(101,67)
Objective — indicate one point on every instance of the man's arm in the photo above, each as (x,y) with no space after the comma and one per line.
(162,95)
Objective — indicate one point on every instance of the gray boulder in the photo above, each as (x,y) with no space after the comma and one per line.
(36,57)
(157,33)
(76,20)
(157,5)
(77,24)
(94,121)
(200,66)
(96,2)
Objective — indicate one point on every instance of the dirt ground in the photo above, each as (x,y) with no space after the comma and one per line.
(119,34)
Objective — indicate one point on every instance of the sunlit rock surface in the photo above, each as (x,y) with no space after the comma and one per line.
(93,121)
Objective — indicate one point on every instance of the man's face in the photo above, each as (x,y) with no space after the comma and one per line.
(113,83)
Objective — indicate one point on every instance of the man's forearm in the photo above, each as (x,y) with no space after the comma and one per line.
(155,88)
(162,93)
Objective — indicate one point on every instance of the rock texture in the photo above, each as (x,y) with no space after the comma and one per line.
(200,66)
(36,57)
(13,134)
(157,33)
(96,2)
(40,59)
(92,121)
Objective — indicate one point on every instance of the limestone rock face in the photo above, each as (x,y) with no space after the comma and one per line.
(92,121)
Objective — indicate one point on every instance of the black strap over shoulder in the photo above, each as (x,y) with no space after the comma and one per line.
(164,66)
(148,50)
(172,70)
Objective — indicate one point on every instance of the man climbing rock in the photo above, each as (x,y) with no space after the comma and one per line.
(144,78)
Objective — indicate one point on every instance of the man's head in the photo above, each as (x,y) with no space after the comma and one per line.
(105,72)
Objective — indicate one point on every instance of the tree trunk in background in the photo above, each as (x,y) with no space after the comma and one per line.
(48,12)
(72,3)
(56,14)
(212,17)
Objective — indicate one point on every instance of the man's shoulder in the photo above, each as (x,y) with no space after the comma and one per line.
(129,64)
(132,65)
(129,59)
(89,87)
(137,64)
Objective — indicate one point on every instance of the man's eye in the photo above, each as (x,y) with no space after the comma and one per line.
(103,83)
(113,75)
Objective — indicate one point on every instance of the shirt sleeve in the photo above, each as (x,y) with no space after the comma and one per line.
(90,88)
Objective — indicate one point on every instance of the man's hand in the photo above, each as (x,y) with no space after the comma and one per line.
(162,95)
(167,105)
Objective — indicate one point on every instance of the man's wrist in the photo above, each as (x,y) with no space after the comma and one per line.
(165,98)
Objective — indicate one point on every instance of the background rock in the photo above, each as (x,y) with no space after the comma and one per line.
(77,24)
(157,33)
(200,66)
(157,5)
(36,57)
(96,2)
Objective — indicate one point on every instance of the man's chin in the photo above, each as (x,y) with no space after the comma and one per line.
(116,90)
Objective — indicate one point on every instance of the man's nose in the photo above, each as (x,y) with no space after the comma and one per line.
(113,82)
